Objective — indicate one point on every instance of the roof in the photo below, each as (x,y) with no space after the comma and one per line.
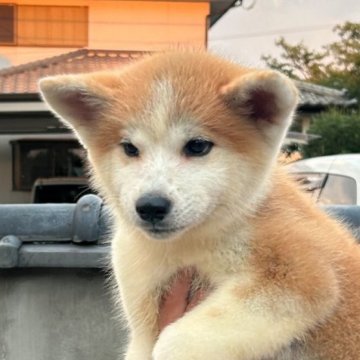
(300,138)
(318,97)
(218,8)
(22,79)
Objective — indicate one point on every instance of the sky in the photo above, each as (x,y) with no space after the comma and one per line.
(245,35)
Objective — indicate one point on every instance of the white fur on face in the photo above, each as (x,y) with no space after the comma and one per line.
(216,187)
(194,185)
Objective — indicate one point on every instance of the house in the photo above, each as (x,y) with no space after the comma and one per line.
(34,144)
(37,29)
(313,100)
(43,37)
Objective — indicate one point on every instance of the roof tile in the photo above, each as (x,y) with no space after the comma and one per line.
(23,79)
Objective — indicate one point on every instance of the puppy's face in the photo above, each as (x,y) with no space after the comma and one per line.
(170,180)
(178,140)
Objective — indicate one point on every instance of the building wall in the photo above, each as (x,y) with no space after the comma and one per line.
(126,25)
(7,195)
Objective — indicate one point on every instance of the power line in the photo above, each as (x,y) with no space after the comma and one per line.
(275,32)
(185,41)
(229,37)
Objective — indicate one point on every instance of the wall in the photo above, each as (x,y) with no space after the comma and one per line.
(7,195)
(58,314)
(127,25)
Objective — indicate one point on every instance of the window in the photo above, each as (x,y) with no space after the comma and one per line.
(7,24)
(45,159)
(338,189)
(328,189)
(60,193)
(33,25)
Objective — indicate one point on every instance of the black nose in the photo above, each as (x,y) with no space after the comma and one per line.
(153,209)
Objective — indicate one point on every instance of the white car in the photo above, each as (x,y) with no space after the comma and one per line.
(331,180)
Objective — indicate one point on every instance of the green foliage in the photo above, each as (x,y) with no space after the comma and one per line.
(297,61)
(336,65)
(344,72)
(339,131)
(290,149)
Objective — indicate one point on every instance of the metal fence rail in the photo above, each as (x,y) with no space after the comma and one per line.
(75,235)
(54,235)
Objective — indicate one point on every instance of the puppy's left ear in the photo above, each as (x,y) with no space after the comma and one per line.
(267,98)
(76,99)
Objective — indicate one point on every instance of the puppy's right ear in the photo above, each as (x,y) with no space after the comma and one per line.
(78,100)
(266,98)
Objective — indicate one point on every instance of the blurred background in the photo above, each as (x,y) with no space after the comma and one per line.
(317,44)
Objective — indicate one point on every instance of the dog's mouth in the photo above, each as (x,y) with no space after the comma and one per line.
(162,232)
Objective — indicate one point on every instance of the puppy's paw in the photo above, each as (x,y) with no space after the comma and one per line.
(139,349)
(173,345)
(176,343)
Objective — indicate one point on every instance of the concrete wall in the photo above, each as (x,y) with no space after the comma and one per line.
(7,195)
(58,314)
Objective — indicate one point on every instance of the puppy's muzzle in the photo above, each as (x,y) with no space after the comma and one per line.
(153,208)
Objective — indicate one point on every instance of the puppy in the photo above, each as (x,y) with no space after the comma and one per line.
(183,147)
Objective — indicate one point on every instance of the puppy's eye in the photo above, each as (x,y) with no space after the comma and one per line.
(198,147)
(130,149)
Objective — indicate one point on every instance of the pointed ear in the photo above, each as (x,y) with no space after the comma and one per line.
(264,97)
(78,100)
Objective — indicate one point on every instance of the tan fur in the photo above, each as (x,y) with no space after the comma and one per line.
(285,277)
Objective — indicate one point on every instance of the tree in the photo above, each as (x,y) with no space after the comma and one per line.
(339,134)
(336,64)
(297,61)
(344,72)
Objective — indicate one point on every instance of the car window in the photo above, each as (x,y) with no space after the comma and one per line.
(61,193)
(312,183)
(339,190)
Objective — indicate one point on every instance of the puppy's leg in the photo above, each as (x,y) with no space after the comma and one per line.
(139,347)
(138,296)
(143,330)
(242,322)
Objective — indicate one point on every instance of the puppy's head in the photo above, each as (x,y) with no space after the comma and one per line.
(177,141)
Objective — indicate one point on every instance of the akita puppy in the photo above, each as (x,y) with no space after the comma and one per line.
(183,146)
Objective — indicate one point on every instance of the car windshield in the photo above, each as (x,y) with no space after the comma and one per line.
(329,189)
(60,193)
(312,183)
(339,190)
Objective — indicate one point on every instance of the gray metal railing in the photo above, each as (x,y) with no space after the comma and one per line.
(76,235)
(54,235)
